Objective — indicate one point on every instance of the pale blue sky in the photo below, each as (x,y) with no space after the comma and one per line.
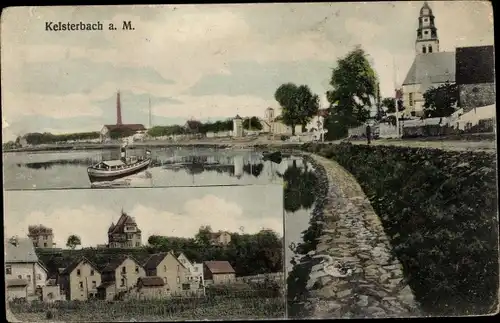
(176,211)
(203,61)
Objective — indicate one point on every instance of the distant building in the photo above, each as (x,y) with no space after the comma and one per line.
(430,68)
(22,264)
(41,236)
(120,129)
(125,233)
(274,124)
(222,238)
(475,77)
(119,277)
(150,287)
(79,281)
(125,130)
(219,272)
(171,270)
(237,126)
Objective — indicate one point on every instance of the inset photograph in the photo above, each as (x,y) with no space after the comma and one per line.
(145,254)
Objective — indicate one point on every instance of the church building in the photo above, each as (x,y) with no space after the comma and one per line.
(430,68)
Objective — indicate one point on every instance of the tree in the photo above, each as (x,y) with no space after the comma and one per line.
(354,85)
(73,241)
(389,104)
(299,105)
(252,123)
(204,235)
(441,101)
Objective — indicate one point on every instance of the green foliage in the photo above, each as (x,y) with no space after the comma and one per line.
(159,131)
(252,123)
(121,132)
(36,138)
(389,104)
(440,101)
(353,77)
(298,104)
(73,241)
(217,126)
(439,209)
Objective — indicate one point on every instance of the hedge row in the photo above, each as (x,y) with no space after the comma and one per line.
(439,209)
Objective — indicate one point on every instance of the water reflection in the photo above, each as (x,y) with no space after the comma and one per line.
(299,187)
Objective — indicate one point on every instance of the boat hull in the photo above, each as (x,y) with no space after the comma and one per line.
(96,175)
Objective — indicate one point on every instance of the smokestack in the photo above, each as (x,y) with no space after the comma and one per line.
(118,109)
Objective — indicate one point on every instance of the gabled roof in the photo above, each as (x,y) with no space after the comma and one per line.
(219,267)
(155,259)
(151,281)
(20,250)
(34,230)
(432,68)
(16,282)
(68,270)
(116,262)
(119,227)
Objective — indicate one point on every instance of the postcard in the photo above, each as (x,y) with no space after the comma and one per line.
(376,122)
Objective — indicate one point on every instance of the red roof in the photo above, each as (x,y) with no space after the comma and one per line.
(131,126)
(219,267)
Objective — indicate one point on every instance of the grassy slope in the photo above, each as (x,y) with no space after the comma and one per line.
(440,211)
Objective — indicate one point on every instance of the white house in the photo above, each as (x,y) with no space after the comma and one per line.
(22,265)
(196,270)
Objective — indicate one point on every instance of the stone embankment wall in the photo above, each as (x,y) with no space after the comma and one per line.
(358,276)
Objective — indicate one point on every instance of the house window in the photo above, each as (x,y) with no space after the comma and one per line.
(28,278)
(178,267)
(39,277)
(44,237)
(196,269)
(164,268)
(137,269)
(410,98)
(426,32)
(426,20)
(186,286)
(80,284)
(78,272)
(137,244)
(45,244)
(430,49)
(424,49)
(8,270)
(94,284)
(20,276)
(178,280)
(122,283)
(124,270)
(165,279)
(92,272)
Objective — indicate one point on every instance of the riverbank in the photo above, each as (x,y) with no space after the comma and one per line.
(439,211)
(347,269)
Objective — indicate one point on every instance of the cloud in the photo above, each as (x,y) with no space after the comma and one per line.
(91,223)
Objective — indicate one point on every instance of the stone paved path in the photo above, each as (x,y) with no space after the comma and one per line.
(358,277)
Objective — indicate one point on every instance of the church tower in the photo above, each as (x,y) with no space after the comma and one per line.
(427,39)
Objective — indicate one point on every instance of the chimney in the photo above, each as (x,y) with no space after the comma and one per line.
(118,109)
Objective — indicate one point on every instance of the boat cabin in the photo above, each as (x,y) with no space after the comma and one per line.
(111,165)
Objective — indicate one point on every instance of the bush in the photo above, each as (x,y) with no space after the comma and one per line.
(439,209)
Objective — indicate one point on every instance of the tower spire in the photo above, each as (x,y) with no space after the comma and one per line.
(427,39)
(118,109)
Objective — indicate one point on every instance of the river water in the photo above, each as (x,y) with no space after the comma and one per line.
(173,167)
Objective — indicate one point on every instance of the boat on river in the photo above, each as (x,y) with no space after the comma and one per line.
(109,170)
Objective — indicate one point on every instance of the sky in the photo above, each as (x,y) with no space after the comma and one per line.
(206,62)
(162,211)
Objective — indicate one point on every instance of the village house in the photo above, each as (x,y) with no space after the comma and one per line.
(221,238)
(119,277)
(125,233)
(175,275)
(151,287)
(41,236)
(196,270)
(79,281)
(16,289)
(218,272)
(274,124)
(22,264)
